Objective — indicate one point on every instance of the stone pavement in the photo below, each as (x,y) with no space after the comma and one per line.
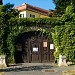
(35,69)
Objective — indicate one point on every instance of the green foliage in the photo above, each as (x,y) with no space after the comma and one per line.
(70,9)
(10,11)
(69,15)
(34,21)
(64,35)
(64,40)
(60,5)
(20,25)
(5,14)
(62,31)
(8,7)
(1,2)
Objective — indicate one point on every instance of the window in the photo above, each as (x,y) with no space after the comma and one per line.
(33,16)
(21,15)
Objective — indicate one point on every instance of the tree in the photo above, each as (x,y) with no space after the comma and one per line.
(1,2)
(6,12)
(61,5)
(64,35)
(10,11)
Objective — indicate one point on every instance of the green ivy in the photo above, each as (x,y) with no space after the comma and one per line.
(64,40)
(18,26)
(61,30)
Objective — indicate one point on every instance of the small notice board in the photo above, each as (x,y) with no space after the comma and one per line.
(35,49)
(44,44)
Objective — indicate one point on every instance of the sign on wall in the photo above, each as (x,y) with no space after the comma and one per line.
(35,49)
(51,46)
(44,44)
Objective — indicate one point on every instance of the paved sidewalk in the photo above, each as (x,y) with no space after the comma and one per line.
(35,69)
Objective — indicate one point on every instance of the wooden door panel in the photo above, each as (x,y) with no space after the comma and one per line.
(35,48)
(34,58)
(45,52)
(35,51)
(45,57)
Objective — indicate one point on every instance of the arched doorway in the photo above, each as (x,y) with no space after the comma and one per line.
(33,46)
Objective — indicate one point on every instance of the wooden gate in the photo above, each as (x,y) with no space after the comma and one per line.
(40,50)
(36,49)
(45,51)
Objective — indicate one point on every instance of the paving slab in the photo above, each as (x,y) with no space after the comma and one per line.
(35,69)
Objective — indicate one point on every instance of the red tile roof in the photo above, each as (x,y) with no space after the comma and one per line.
(23,7)
(32,8)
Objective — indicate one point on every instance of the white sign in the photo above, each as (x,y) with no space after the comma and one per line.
(44,44)
(35,49)
(51,46)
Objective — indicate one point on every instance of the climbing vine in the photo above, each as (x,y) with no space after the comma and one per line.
(64,35)
(64,40)
(61,30)
(18,26)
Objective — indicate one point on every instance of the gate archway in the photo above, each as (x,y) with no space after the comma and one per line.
(17,30)
(33,46)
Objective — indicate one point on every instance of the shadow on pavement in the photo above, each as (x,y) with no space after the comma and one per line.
(29,68)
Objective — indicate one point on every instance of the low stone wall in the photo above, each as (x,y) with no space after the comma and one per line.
(70,72)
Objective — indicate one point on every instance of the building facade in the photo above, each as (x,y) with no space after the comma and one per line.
(27,11)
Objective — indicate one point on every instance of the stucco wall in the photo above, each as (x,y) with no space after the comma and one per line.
(23,12)
(37,15)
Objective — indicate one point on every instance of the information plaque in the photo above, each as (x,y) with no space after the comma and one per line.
(51,46)
(35,49)
(44,44)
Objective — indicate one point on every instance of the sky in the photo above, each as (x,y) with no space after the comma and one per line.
(45,4)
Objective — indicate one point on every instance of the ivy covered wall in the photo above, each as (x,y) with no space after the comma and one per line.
(18,26)
(60,29)
(64,40)
(64,35)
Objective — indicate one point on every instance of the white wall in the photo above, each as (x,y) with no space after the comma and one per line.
(27,14)
(23,12)
(33,13)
